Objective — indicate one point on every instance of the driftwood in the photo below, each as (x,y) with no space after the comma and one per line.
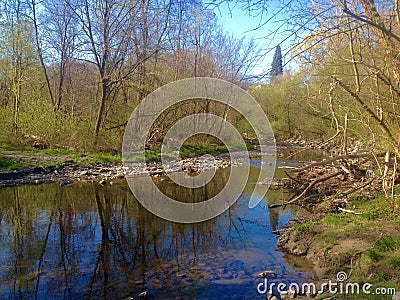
(355,189)
(315,146)
(321,179)
(291,177)
(278,231)
(328,161)
(337,178)
(349,211)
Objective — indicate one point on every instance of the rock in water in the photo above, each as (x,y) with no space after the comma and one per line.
(267,274)
(103,181)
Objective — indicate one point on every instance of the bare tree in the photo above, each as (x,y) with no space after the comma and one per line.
(39,48)
(60,34)
(114,29)
(107,32)
(351,46)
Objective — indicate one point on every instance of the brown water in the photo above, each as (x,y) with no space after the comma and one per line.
(90,241)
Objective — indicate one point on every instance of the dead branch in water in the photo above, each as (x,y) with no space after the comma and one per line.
(321,179)
(328,161)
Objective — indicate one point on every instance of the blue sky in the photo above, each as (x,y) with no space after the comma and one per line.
(240,24)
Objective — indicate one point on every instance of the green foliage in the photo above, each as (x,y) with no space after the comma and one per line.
(329,236)
(340,74)
(301,229)
(94,158)
(289,110)
(394,262)
(337,220)
(373,255)
(387,244)
(67,120)
(9,164)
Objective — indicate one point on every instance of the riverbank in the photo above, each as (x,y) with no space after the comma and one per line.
(19,167)
(354,226)
(26,165)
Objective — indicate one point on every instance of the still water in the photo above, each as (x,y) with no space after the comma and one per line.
(91,241)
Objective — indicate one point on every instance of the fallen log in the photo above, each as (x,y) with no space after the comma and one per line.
(321,179)
(330,160)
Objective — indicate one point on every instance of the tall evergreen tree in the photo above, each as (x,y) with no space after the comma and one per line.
(276,66)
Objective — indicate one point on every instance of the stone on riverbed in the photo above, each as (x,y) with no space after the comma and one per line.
(85,173)
(267,274)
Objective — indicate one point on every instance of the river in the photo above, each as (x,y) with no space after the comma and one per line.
(92,241)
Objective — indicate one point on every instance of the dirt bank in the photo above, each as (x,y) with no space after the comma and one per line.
(354,226)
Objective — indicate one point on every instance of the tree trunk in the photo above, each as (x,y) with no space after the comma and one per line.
(104,95)
(40,53)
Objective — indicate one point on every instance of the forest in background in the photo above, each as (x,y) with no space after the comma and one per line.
(71,72)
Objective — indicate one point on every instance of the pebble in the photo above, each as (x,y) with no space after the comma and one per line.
(289,295)
(85,172)
(143,294)
(267,274)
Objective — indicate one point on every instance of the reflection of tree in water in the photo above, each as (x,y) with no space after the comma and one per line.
(94,241)
(273,219)
(97,241)
(148,251)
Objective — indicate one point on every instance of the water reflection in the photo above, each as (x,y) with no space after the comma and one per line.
(90,241)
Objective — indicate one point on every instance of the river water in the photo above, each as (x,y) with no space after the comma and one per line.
(93,241)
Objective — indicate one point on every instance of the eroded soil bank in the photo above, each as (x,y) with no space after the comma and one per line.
(354,226)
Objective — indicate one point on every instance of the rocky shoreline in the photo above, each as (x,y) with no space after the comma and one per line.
(53,169)
(103,173)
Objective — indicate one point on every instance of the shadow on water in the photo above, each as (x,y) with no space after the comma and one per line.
(90,241)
